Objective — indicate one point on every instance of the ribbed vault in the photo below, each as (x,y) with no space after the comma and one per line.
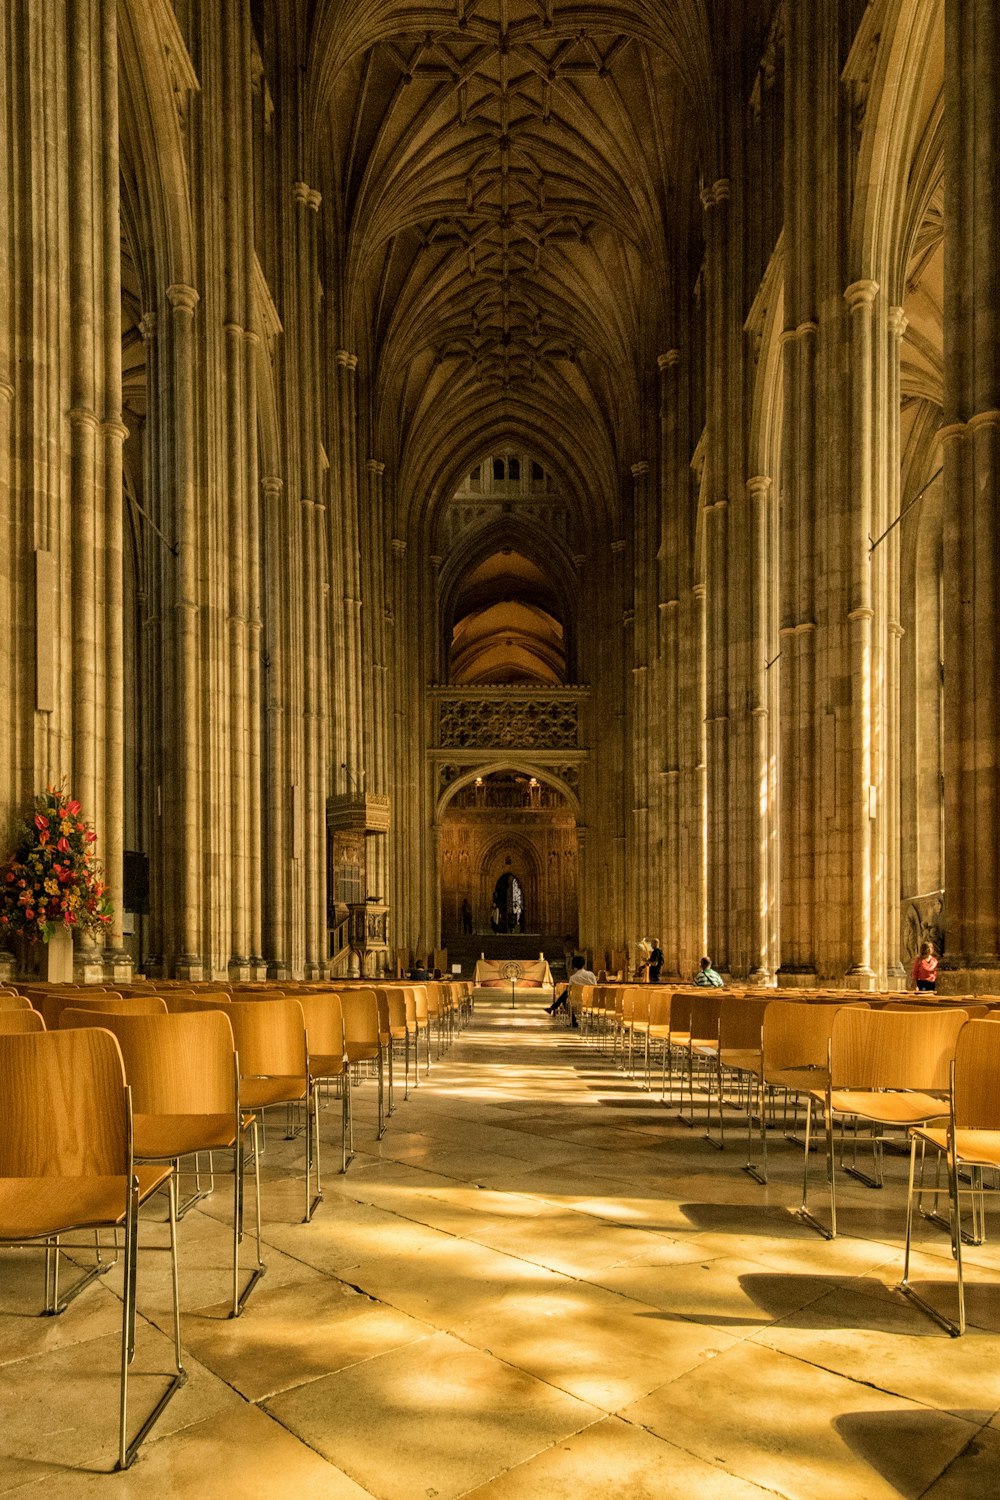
(509,179)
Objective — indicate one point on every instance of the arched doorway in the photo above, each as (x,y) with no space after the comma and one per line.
(511,838)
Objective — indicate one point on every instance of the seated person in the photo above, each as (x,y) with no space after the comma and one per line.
(419,973)
(925,968)
(707,975)
(654,963)
(579,974)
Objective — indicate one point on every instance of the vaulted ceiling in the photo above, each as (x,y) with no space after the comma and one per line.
(511,180)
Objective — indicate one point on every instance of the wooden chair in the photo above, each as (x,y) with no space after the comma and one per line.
(971,1139)
(270,1038)
(67,1164)
(889,1068)
(184,1075)
(325,1039)
(139,1005)
(20,1022)
(363,1037)
(795,1054)
(395,1005)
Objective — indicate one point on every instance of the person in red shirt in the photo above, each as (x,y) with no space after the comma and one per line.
(925,967)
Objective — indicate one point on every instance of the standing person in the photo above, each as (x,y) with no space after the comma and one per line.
(707,975)
(466,915)
(654,962)
(925,968)
(580,975)
(495,918)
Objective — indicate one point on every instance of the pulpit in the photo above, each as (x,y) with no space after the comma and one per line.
(358,917)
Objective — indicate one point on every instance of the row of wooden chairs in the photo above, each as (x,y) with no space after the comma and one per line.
(924,1070)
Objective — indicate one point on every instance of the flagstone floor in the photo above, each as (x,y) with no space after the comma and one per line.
(538,1285)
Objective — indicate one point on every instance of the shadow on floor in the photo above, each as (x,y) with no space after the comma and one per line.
(903,1446)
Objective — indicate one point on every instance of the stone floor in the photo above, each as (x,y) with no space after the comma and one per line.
(540,1285)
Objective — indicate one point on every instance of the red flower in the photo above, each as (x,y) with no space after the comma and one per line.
(41,821)
(29,913)
(72,808)
(91,837)
(63,845)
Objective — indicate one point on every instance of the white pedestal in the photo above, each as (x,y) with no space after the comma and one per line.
(59,956)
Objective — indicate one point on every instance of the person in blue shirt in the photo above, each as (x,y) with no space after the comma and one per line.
(707,975)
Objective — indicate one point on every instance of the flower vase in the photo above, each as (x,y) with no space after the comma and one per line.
(59,956)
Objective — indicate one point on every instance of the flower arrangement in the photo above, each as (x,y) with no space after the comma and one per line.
(52,877)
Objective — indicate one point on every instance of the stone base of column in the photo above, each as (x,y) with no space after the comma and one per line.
(969,981)
(796,977)
(88,965)
(189,966)
(760,978)
(258,968)
(316,971)
(8,963)
(859,979)
(118,966)
(240,971)
(278,969)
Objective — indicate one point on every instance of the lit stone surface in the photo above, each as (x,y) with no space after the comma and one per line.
(638,1320)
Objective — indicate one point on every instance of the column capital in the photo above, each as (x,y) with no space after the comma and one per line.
(716,194)
(182,298)
(375,466)
(307,196)
(670,360)
(800,331)
(640,468)
(398,546)
(898,322)
(759,484)
(860,294)
(618,547)
(272,485)
(346,360)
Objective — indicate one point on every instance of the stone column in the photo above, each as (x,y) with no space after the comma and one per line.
(350,601)
(971,439)
(638,872)
(277,938)
(719,604)
(673,488)
(183,811)
(755,779)
(890,810)
(860,297)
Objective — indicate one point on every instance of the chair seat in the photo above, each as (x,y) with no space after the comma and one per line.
(162,1137)
(742,1059)
(257,1093)
(36,1207)
(799,1081)
(888,1107)
(362,1051)
(326,1064)
(977,1148)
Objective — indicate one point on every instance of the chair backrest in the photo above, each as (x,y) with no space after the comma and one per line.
(395,1002)
(977,1071)
(361,1025)
(136,1005)
(184,1004)
(419,994)
(10,1001)
(885,1049)
(19,1022)
(324,1017)
(65,1105)
(705,1012)
(270,1038)
(658,1006)
(797,1034)
(175,1064)
(741,1020)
